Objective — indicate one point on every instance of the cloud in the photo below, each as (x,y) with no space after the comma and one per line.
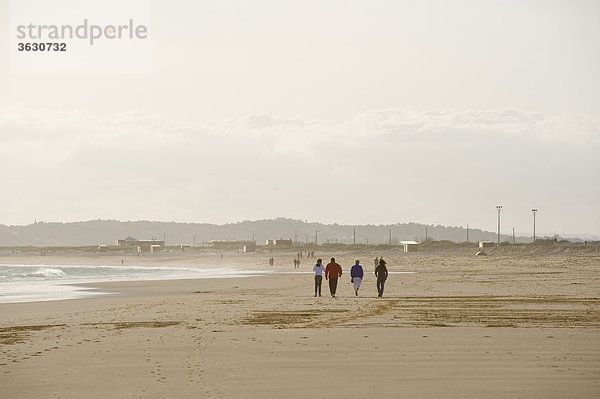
(450,125)
(79,164)
(18,125)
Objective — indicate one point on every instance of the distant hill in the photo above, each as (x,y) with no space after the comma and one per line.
(106,232)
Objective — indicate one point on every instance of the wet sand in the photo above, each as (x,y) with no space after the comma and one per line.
(460,327)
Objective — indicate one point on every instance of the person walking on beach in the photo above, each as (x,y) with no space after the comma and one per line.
(319,269)
(356,273)
(333,271)
(381,273)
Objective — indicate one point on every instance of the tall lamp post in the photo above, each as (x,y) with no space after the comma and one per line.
(499,208)
(534,212)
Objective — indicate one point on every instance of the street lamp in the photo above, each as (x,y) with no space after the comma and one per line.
(499,208)
(534,211)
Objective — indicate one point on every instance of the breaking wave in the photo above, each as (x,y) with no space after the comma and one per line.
(46,274)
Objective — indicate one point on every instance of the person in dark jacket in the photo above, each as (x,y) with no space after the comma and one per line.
(356,273)
(333,271)
(381,273)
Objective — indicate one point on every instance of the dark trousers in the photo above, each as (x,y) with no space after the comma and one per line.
(332,285)
(380,284)
(318,281)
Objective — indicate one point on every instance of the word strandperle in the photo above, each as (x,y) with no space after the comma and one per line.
(84,31)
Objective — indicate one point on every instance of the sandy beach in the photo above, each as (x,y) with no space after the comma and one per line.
(502,326)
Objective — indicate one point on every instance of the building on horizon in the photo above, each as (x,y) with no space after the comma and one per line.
(281,243)
(410,246)
(141,245)
(239,245)
(134,242)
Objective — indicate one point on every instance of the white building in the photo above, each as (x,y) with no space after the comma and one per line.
(410,246)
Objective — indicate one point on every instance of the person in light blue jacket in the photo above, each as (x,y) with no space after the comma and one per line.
(356,273)
(319,269)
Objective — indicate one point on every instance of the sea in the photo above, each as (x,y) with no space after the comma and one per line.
(34,283)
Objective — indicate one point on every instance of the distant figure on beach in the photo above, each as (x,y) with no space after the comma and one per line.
(333,271)
(319,269)
(298,264)
(122,262)
(356,274)
(271,261)
(381,273)
(295,263)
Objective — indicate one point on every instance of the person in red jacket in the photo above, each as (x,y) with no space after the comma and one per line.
(333,271)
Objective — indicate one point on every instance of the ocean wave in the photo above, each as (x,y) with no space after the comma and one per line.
(45,273)
(31,283)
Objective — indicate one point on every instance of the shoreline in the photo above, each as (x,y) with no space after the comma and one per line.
(47,282)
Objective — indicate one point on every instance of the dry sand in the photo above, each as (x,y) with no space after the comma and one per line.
(461,327)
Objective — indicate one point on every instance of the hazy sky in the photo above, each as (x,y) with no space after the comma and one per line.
(331,111)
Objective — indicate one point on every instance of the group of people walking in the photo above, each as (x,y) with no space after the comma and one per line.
(309,254)
(333,271)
